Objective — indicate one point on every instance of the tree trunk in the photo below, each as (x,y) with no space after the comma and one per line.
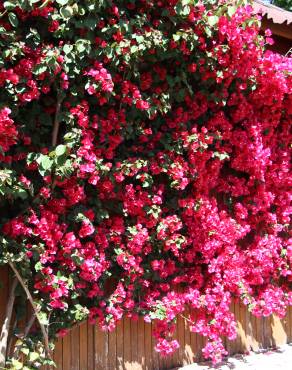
(6,324)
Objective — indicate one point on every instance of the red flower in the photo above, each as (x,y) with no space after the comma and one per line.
(142,104)
(53,26)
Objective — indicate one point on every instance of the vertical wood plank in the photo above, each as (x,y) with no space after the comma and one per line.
(260,331)
(75,348)
(247,328)
(58,354)
(278,331)
(134,344)
(242,328)
(141,343)
(155,356)
(198,341)
(267,332)
(250,330)
(112,350)
(290,321)
(194,339)
(254,332)
(120,344)
(83,345)
(230,345)
(286,325)
(289,324)
(162,361)
(67,352)
(100,349)
(188,350)
(90,346)
(148,346)
(201,346)
(127,344)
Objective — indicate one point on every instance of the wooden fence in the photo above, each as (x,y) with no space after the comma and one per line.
(130,346)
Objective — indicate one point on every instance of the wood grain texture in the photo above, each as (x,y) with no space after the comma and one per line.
(120,345)
(75,348)
(58,353)
(155,355)
(127,344)
(112,350)
(90,347)
(148,346)
(141,343)
(101,354)
(67,352)
(83,346)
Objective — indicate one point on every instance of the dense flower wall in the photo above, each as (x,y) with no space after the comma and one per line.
(144,148)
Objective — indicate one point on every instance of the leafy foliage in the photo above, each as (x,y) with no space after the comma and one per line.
(285,4)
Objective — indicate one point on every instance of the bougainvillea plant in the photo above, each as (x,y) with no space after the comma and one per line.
(144,168)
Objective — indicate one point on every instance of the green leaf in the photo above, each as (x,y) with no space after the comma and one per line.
(186,10)
(33,356)
(25,350)
(38,266)
(176,37)
(82,45)
(9,5)
(90,23)
(60,150)
(134,49)
(220,155)
(46,162)
(21,193)
(67,48)
(66,12)
(16,364)
(231,10)
(31,157)
(13,19)
(43,318)
(139,39)
(40,68)
(62,2)
(212,20)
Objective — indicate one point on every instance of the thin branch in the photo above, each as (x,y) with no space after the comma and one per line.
(6,324)
(36,310)
(288,52)
(28,326)
(23,335)
(2,14)
(57,121)
(44,4)
(11,339)
(185,318)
